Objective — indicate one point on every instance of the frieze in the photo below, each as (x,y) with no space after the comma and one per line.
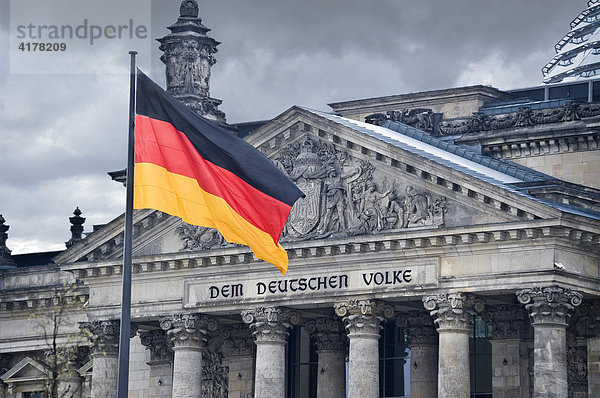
(523,117)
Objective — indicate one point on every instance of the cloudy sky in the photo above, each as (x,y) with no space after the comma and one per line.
(60,132)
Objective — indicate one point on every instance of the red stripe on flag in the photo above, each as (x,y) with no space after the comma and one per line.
(160,143)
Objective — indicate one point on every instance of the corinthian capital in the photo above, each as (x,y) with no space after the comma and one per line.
(549,305)
(453,311)
(328,334)
(188,330)
(104,336)
(270,324)
(156,341)
(420,327)
(363,317)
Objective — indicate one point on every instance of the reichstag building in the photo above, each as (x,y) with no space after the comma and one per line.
(448,246)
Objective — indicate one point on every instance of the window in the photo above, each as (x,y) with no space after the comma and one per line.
(302,365)
(394,362)
(578,92)
(480,353)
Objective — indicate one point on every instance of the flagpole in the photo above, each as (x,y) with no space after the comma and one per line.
(123,370)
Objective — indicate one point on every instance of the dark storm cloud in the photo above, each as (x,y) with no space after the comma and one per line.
(60,134)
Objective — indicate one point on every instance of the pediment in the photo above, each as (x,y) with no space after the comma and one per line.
(27,369)
(355,184)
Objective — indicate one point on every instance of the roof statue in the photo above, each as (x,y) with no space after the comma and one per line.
(578,52)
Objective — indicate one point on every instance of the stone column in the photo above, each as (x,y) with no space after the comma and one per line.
(238,357)
(269,326)
(105,351)
(453,313)
(593,366)
(362,319)
(423,343)
(330,339)
(187,335)
(509,370)
(550,309)
(160,382)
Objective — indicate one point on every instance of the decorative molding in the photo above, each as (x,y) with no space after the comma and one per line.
(412,242)
(507,321)
(453,311)
(420,328)
(270,324)
(549,305)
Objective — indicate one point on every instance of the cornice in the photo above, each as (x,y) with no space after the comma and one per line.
(411,244)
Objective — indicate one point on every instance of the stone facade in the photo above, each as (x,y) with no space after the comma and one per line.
(404,232)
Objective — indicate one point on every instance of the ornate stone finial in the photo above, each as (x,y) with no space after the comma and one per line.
(270,324)
(5,257)
(188,9)
(549,305)
(453,311)
(76,228)
(188,56)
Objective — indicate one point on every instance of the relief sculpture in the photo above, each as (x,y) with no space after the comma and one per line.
(344,197)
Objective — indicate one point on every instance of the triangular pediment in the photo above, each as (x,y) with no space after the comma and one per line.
(27,369)
(358,180)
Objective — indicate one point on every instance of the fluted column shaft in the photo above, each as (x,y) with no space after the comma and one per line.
(550,309)
(423,343)
(453,314)
(269,326)
(187,333)
(329,337)
(362,319)
(104,350)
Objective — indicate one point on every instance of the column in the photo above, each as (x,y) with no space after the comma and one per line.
(238,357)
(160,382)
(593,353)
(550,309)
(269,326)
(330,339)
(423,343)
(105,351)
(510,376)
(453,313)
(362,319)
(187,335)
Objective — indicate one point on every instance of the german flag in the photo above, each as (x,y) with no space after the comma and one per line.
(192,168)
